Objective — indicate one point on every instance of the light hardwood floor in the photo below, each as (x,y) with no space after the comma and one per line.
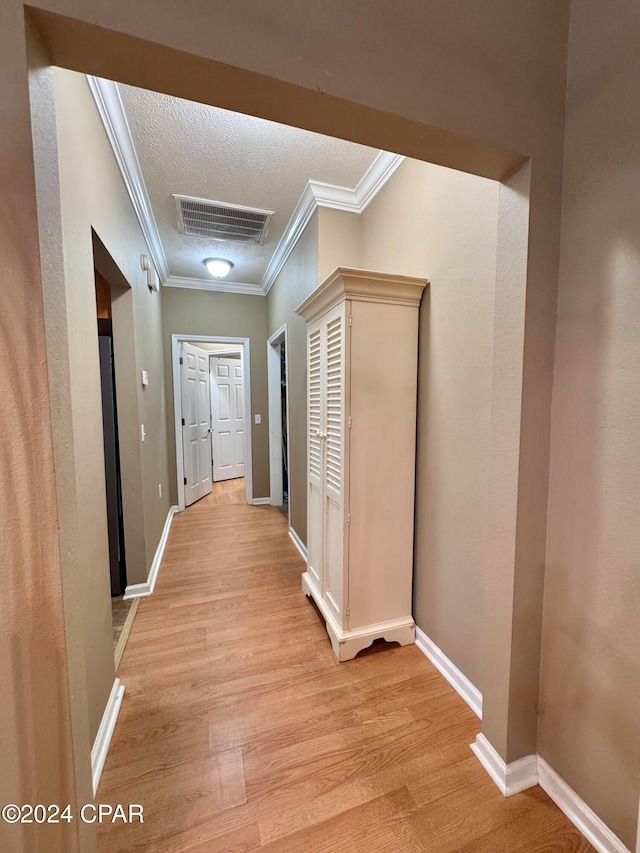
(240,732)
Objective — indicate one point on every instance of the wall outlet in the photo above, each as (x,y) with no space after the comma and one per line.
(145,377)
(159,490)
(143,434)
(257,419)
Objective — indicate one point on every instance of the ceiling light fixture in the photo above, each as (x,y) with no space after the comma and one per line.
(218,267)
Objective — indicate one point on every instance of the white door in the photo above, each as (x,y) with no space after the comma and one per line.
(196,422)
(326,462)
(227,417)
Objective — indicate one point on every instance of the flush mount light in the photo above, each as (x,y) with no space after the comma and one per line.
(218,267)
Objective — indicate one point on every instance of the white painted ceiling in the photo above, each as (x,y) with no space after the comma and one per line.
(195,150)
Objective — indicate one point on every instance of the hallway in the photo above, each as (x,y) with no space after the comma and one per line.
(239,731)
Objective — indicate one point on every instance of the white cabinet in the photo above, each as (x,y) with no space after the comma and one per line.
(362,362)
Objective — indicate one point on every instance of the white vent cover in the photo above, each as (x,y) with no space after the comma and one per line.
(198,217)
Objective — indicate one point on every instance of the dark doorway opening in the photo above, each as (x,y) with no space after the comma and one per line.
(113,482)
(285,437)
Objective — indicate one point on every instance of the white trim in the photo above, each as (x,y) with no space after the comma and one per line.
(213,284)
(275,417)
(261,501)
(316,194)
(376,177)
(225,353)
(579,813)
(510,778)
(107,97)
(139,590)
(457,679)
(105,732)
(176,340)
(300,217)
(297,541)
(534,770)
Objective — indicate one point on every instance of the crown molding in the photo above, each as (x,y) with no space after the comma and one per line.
(304,210)
(211,284)
(357,199)
(376,177)
(316,194)
(105,94)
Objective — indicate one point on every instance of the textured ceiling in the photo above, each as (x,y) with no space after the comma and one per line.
(196,150)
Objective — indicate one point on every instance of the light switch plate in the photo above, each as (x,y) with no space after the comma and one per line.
(145,377)
(257,419)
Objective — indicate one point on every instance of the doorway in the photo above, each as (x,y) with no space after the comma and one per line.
(227,414)
(111,442)
(277,377)
(212,409)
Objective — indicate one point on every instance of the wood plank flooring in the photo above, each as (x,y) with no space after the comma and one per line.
(240,732)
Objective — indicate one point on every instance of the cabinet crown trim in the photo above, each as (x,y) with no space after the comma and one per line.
(361,285)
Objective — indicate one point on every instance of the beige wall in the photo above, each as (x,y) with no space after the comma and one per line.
(93,196)
(339,241)
(442,225)
(298,277)
(589,726)
(501,71)
(204,312)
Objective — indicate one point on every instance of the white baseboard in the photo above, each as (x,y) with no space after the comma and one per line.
(261,501)
(297,541)
(534,770)
(105,732)
(458,680)
(510,778)
(579,813)
(138,590)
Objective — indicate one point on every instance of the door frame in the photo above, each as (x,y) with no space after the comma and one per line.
(176,340)
(275,417)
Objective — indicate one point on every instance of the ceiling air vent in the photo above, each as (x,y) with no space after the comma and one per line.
(198,217)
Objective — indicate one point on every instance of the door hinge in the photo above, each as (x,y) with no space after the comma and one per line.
(350,320)
(183,422)
(348,612)
(181,360)
(349,421)
(185,481)
(349,520)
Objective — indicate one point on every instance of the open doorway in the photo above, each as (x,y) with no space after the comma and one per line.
(111,441)
(277,368)
(212,408)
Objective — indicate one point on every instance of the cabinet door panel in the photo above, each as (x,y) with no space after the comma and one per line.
(315,454)
(334,377)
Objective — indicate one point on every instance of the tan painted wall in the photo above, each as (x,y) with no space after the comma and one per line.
(589,728)
(339,241)
(501,71)
(203,312)
(442,225)
(298,277)
(93,196)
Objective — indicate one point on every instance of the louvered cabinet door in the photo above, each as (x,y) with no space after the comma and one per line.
(333,436)
(315,451)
